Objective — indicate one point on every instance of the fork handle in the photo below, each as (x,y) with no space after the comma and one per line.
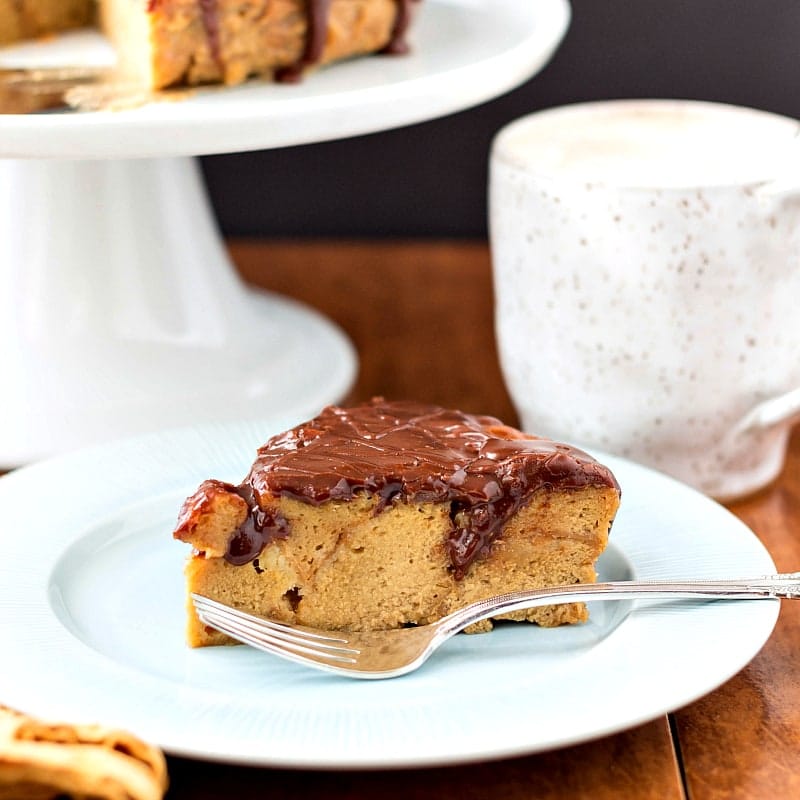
(764,587)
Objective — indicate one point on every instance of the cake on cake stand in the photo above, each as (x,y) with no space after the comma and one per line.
(119,309)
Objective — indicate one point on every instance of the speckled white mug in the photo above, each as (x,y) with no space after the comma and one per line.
(646,258)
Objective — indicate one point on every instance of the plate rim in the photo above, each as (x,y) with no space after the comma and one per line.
(19,486)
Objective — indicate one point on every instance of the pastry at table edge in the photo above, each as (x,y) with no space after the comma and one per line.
(390,514)
(40,759)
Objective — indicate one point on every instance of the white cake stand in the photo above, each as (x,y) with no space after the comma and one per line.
(119,309)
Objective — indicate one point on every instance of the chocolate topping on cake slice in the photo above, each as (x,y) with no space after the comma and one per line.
(408,451)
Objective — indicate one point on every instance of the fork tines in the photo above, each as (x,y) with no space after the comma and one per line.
(275,637)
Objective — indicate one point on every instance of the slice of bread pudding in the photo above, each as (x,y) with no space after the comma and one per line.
(391,514)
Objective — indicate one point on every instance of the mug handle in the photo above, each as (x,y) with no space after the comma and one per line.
(787,187)
(781,190)
(775,411)
(786,407)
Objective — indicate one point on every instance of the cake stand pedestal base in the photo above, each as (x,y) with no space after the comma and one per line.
(120,313)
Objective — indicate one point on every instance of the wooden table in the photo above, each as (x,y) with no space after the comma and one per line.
(420,315)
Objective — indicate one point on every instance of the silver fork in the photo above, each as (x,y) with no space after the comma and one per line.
(388,654)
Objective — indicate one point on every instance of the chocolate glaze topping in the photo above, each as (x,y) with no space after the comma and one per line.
(260,526)
(410,452)
(209,10)
(257,531)
(317,12)
(398,44)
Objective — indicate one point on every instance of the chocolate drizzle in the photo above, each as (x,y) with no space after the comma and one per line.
(318,16)
(259,528)
(209,13)
(397,43)
(409,452)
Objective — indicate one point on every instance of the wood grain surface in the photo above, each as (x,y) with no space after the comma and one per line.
(419,314)
(636,764)
(743,741)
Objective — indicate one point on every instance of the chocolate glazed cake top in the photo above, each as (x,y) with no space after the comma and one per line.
(408,451)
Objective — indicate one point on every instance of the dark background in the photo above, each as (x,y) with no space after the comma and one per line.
(429,180)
